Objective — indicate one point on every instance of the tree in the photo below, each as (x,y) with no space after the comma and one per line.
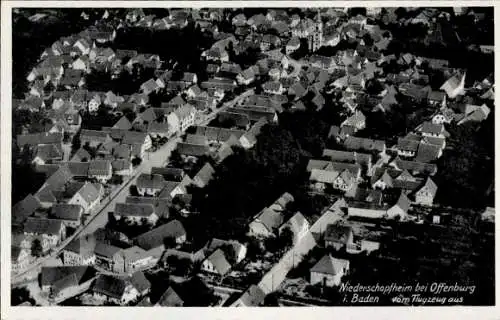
(19,295)
(286,238)
(76,143)
(229,253)
(254,248)
(169,242)
(36,248)
(136,161)
(133,191)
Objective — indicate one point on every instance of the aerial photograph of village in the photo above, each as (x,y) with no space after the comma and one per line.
(253,157)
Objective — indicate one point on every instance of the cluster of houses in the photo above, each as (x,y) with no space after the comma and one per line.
(376,181)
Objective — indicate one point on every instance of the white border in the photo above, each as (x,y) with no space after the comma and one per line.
(8,312)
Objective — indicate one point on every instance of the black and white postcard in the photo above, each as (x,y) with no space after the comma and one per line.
(269,155)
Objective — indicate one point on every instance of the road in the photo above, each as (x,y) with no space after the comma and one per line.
(100,217)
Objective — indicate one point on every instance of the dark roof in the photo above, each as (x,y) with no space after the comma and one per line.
(65,211)
(170,298)
(153,181)
(140,282)
(42,226)
(134,209)
(105,250)
(253,296)
(427,152)
(83,245)
(155,237)
(170,174)
(110,286)
(25,208)
(49,275)
(39,138)
(356,143)
(205,174)
(192,149)
(337,233)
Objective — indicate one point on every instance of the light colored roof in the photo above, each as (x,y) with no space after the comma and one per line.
(218,260)
(330,265)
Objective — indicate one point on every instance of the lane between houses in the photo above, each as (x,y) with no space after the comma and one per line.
(100,217)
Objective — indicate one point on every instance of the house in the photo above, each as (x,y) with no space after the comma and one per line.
(216,54)
(414,167)
(338,236)
(170,298)
(429,129)
(122,167)
(357,120)
(87,195)
(121,290)
(273,87)
(101,170)
(20,258)
(407,147)
(156,237)
(186,116)
(24,209)
(479,114)
(437,98)
(140,142)
(52,230)
(366,210)
(328,271)
(400,208)
(69,214)
(266,222)
(136,258)
(192,150)
(247,76)
(357,143)
(47,153)
(216,263)
(425,195)
(36,139)
(66,281)
(363,159)
(150,184)
(252,297)
(203,177)
(454,86)
(94,137)
(137,213)
(292,45)
(80,251)
(298,225)
(108,256)
(238,249)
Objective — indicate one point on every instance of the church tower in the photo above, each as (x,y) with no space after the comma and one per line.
(316,38)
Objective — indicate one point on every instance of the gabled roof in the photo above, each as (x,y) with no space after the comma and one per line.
(330,265)
(153,181)
(139,281)
(218,260)
(134,210)
(428,152)
(49,275)
(155,237)
(170,298)
(65,211)
(337,233)
(430,186)
(80,155)
(123,124)
(106,250)
(42,226)
(205,174)
(110,286)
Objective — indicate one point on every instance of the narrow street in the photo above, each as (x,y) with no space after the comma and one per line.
(99,219)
